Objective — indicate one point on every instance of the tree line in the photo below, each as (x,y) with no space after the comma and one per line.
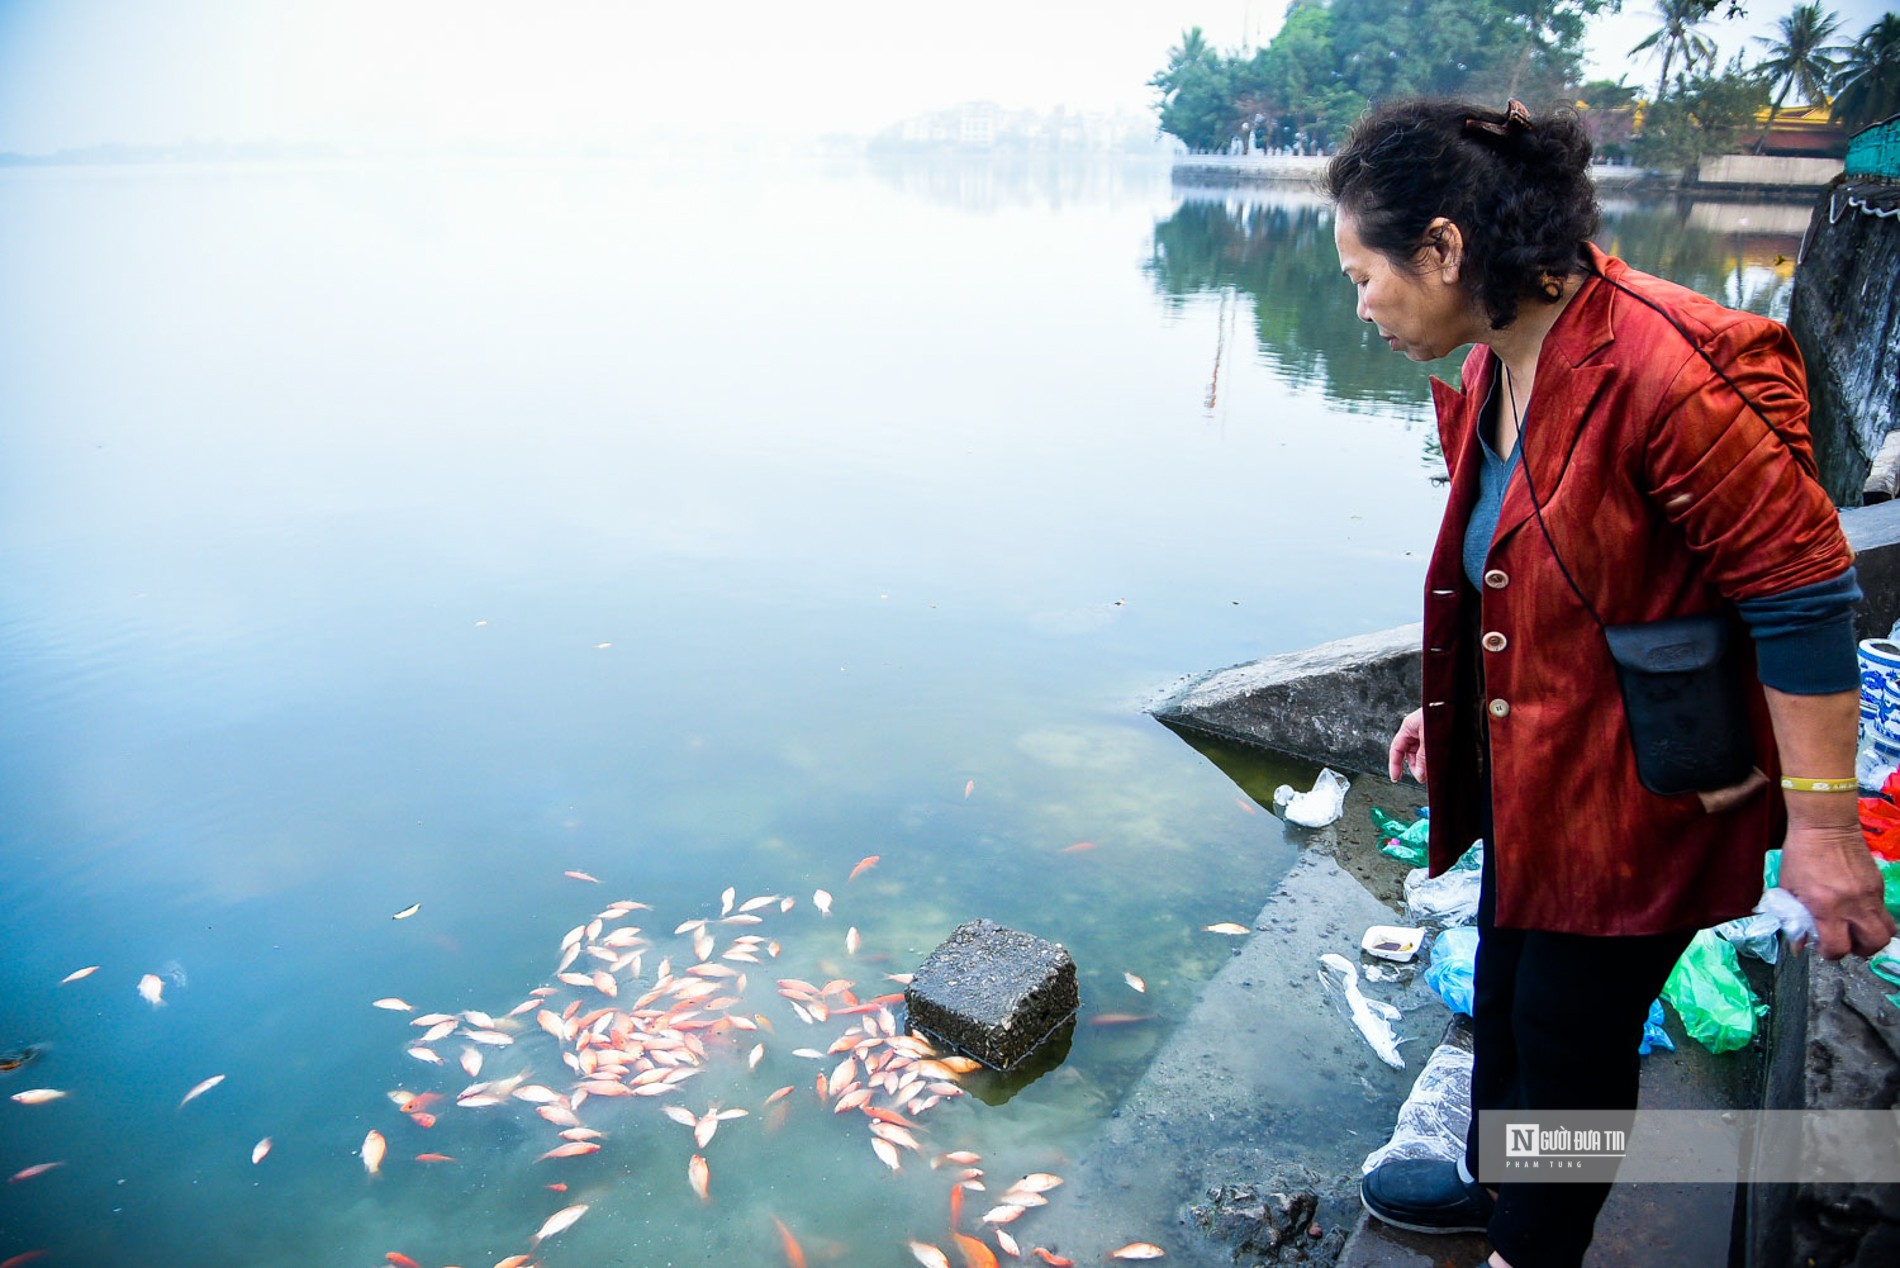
(1333,58)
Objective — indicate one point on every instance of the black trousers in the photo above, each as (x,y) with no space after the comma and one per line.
(1557,1019)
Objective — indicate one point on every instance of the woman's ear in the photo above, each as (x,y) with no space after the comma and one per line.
(1444,248)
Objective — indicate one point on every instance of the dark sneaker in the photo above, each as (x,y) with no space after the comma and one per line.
(1425,1195)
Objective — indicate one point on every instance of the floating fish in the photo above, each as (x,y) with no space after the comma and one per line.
(700,1177)
(37,1169)
(573,1149)
(1037,1182)
(434,1158)
(1119,1019)
(1228,927)
(927,1255)
(401,1260)
(975,1253)
(407,912)
(1051,1258)
(725,899)
(1138,1250)
(1007,1242)
(886,1153)
(561,1221)
(260,1150)
(1135,983)
(1077,848)
(865,864)
(201,1089)
(37,1095)
(18,1057)
(591,880)
(152,989)
(76,974)
(969,788)
(374,1147)
(821,899)
(393,1004)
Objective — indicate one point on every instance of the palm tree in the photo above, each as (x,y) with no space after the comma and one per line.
(1192,51)
(1801,58)
(1868,86)
(1678,34)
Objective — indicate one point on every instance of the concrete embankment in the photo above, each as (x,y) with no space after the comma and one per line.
(1309,171)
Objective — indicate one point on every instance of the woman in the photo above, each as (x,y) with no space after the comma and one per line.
(1622,452)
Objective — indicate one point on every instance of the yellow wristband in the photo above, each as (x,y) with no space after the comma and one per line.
(1795,783)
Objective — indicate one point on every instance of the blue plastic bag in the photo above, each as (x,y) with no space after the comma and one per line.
(1453,967)
(1453,971)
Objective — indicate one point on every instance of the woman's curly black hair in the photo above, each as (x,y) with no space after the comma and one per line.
(1518,188)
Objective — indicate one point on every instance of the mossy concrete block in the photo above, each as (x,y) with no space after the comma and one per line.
(993,992)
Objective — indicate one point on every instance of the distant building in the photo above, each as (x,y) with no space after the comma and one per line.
(1799,132)
(983,127)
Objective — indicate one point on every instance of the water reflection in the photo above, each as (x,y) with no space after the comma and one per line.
(1276,251)
(1273,250)
(987,182)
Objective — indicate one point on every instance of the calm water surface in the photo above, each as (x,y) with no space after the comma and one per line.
(385,535)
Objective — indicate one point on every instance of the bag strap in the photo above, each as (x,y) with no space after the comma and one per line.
(1525,461)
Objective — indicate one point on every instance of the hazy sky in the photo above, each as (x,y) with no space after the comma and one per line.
(82,72)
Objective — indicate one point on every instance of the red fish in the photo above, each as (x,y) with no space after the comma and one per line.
(37,1169)
(401,1260)
(975,1253)
(1077,848)
(794,1256)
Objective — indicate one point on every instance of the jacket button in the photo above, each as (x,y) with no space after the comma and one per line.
(1495,642)
(1497,579)
(1500,708)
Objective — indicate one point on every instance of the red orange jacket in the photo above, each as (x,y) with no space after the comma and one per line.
(1665,496)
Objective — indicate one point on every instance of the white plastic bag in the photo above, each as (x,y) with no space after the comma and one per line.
(1373,1017)
(1315,809)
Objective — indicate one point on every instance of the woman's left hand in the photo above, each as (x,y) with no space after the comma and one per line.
(1832,872)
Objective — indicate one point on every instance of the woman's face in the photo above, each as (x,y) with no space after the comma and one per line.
(1421,311)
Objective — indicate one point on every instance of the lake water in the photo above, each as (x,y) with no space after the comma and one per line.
(380,535)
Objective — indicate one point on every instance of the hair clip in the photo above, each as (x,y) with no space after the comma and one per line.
(1516,115)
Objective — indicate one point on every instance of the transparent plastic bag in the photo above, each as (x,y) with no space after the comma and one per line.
(1758,935)
(1449,899)
(1708,992)
(1315,809)
(1436,1113)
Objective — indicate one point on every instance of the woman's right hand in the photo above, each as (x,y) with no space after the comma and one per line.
(1408,748)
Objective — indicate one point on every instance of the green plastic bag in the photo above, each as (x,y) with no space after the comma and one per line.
(1890,877)
(1709,993)
(1404,842)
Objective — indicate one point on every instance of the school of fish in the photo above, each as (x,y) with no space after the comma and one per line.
(635,1018)
(636,1014)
